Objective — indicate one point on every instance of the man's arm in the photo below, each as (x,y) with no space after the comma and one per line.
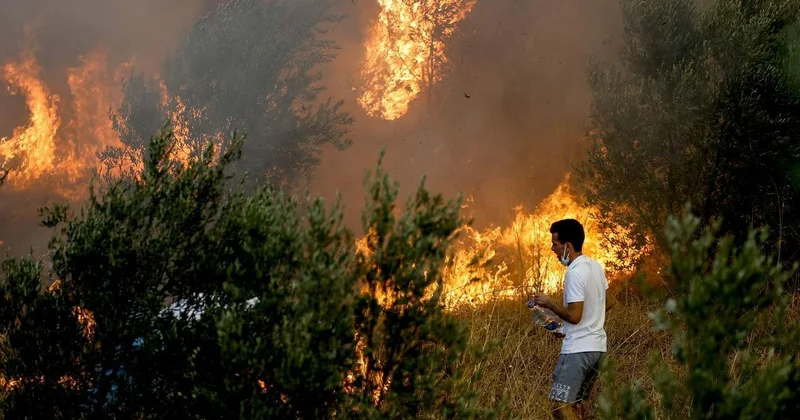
(572,313)
(573,295)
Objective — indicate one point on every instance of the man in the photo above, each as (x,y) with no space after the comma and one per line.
(583,311)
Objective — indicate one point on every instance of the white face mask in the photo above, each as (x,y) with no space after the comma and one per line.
(564,257)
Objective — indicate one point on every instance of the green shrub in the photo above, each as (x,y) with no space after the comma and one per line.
(735,348)
(275,319)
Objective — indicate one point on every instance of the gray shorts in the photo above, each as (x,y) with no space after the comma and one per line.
(574,376)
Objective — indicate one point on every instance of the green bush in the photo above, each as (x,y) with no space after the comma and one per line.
(704,110)
(280,316)
(735,349)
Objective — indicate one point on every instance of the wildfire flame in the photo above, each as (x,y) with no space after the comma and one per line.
(518,258)
(405,52)
(31,150)
(180,128)
(93,93)
(44,148)
(507,262)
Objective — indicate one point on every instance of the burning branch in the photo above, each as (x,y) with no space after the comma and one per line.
(405,54)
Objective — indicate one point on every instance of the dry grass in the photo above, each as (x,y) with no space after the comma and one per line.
(523,356)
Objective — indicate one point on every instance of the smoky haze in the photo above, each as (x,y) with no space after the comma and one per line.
(60,32)
(522,64)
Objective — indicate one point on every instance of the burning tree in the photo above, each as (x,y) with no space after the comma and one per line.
(247,67)
(705,112)
(406,52)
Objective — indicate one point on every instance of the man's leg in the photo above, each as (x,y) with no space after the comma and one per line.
(591,361)
(567,379)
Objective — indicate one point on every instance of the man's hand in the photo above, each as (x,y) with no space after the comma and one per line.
(545,301)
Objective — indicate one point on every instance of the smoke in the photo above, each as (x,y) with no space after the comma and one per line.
(64,30)
(507,121)
(504,127)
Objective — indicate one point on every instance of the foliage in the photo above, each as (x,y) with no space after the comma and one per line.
(730,332)
(703,112)
(276,315)
(793,58)
(410,345)
(248,67)
(36,361)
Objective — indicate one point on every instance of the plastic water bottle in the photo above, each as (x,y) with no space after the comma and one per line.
(546,318)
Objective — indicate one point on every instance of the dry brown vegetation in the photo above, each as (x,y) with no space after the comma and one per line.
(523,355)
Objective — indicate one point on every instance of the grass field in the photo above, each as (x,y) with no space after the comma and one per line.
(523,355)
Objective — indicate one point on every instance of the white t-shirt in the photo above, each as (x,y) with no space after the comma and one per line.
(585,282)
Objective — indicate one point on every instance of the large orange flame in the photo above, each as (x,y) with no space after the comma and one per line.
(30,151)
(510,262)
(518,259)
(44,148)
(405,53)
(66,154)
(94,92)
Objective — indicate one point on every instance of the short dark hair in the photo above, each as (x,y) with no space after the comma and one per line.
(569,230)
